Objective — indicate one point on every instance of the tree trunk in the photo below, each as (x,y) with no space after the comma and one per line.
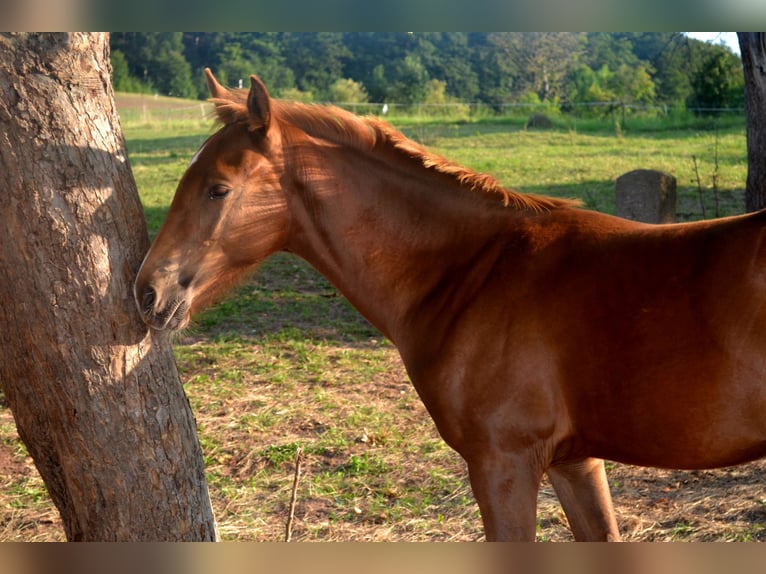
(753,48)
(96,398)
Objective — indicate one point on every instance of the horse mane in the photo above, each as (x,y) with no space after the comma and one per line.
(366,133)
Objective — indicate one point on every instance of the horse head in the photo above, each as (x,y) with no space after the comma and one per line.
(230,191)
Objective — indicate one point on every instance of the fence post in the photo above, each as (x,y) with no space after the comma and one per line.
(622,105)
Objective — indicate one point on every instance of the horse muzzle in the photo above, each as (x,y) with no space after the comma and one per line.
(163,306)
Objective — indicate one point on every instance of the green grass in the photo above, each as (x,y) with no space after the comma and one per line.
(569,161)
(586,165)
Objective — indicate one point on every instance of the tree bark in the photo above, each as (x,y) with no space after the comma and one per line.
(96,398)
(753,49)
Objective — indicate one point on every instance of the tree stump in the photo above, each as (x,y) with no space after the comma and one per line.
(646,195)
(539,121)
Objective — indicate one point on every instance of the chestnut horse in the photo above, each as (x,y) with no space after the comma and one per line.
(541,337)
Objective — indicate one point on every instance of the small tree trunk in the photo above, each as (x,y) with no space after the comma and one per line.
(96,398)
(753,48)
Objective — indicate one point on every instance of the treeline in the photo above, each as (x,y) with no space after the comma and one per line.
(561,69)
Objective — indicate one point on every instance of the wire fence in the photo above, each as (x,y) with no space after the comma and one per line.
(516,108)
(148,110)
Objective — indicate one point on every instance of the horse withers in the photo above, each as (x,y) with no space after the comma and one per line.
(541,337)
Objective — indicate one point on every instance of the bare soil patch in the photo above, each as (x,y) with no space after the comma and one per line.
(651,504)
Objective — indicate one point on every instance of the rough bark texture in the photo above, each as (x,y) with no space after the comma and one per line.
(753,48)
(96,398)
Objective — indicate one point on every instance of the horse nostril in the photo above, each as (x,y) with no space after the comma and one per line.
(147,301)
(185,281)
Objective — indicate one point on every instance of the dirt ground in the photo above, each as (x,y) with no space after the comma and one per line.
(652,505)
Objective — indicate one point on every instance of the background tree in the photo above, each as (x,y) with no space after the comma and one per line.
(157,59)
(96,398)
(372,57)
(492,68)
(753,48)
(348,91)
(316,60)
(544,59)
(717,82)
(235,67)
(265,50)
(586,86)
(378,84)
(495,71)
(633,84)
(410,81)
(168,68)
(449,58)
(608,49)
(122,81)
(236,55)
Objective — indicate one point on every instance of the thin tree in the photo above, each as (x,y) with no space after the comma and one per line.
(752,46)
(96,398)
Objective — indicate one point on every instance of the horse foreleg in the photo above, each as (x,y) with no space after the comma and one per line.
(583,491)
(506,490)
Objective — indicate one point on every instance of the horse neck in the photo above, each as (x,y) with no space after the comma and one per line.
(387,234)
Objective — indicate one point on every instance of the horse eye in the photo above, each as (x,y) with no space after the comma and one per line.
(218,192)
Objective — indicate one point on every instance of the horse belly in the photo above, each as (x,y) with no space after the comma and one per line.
(667,366)
(703,412)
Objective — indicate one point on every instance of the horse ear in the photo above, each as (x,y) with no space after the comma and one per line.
(216,89)
(259,104)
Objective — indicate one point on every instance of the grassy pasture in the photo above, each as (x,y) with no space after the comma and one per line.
(285,364)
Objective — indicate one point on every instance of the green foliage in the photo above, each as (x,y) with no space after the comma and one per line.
(626,84)
(316,59)
(534,105)
(122,81)
(436,92)
(174,75)
(718,82)
(409,82)
(157,60)
(346,90)
(543,59)
(562,68)
(633,84)
(235,68)
(296,95)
